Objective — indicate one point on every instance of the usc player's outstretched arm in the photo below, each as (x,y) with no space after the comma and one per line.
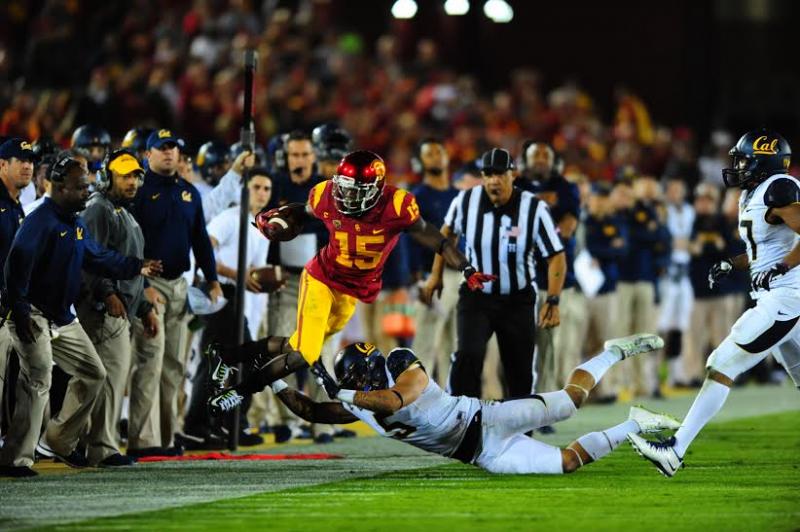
(430,237)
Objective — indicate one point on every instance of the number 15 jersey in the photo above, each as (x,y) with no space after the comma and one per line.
(352,261)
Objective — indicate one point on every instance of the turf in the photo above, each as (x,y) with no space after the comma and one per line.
(742,475)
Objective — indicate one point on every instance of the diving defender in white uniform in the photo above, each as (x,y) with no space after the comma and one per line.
(769,223)
(396,397)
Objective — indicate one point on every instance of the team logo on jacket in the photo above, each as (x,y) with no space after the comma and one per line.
(79,233)
(337,224)
(186,196)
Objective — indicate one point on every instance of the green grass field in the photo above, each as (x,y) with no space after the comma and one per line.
(742,474)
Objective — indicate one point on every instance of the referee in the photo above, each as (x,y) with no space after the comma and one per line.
(502,226)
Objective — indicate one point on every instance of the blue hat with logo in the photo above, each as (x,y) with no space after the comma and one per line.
(17,147)
(159,137)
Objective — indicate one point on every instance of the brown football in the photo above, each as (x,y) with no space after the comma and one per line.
(269,277)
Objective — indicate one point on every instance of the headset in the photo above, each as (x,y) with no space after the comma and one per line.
(62,166)
(104,174)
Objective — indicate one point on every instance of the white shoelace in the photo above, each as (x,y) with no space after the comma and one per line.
(230,400)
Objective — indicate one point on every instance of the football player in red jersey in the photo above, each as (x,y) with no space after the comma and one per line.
(364,217)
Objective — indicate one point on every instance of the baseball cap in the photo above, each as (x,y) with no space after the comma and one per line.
(125,164)
(159,137)
(17,147)
(496,161)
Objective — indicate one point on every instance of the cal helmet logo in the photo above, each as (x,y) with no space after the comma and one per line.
(25,145)
(186,196)
(164,133)
(365,348)
(763,146)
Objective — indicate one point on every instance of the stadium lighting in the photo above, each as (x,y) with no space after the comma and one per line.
(499,11)
(456,7)
(404,9)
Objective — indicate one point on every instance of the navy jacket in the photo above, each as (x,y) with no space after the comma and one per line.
(11,216)
(45,262)
(568,201)
(600,233)
(650,245)
(170,212)
(433,205)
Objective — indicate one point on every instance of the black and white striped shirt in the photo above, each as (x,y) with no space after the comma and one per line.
(502,240)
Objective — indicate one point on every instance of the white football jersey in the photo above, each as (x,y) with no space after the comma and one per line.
(435,422)
(767,244)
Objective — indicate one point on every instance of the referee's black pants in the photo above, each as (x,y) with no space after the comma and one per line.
(513,318)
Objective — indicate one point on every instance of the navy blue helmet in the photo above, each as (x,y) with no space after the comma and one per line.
(758,155)
(87,137)
(331,142)
(361,367)
(210,158)
(136,139)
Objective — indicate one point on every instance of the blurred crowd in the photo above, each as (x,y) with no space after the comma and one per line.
(653,212)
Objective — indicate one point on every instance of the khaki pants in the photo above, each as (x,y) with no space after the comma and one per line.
(637,313)
(112,340)
(707,329)
(733,305)
(74,353)
(435,340)
(5,350)
(158,369)
(282,321)
(603,311)
(569,336)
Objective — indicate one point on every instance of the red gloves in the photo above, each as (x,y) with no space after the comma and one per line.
(475,279)
(269,228)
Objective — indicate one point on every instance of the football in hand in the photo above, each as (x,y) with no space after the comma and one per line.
(279,224)
(270,278)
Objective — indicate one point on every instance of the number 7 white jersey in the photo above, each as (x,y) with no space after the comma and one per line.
(767,244)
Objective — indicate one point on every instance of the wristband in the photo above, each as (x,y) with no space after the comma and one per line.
(278,386)
(468,271)
(552,301)
(347,396)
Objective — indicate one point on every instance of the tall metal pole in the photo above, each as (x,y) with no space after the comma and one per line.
(247,137)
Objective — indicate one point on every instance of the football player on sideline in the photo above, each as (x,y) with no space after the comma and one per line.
(364,217)
(397,398)
(769,224)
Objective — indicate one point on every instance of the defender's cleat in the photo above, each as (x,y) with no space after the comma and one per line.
(224,401)
(220,371)
(661,454)
(635,344)
(650,421)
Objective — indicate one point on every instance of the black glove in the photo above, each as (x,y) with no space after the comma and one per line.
(324,379)
(762,279)
(718,271)
(27,329)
